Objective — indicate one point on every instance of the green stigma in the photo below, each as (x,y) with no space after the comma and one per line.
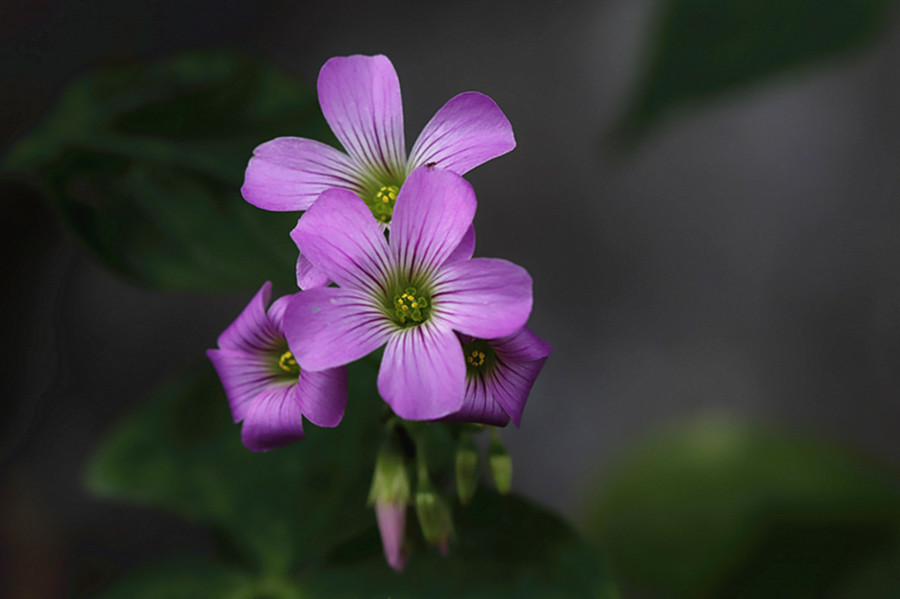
(480,357)
(382,203)
(410,307)
(288,364)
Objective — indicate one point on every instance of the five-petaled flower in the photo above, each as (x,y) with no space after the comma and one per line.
(265,386)
(412,294)
(499,376)
(360,98)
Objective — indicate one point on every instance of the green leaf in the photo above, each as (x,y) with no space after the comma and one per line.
(720,509)
(281,509)
(145,165)
(187,580)
(505,547)
(701,48)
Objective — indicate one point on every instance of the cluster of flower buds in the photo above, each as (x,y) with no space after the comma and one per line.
(385,259)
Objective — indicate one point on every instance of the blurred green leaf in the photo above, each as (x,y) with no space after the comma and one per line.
(282,509)
(188,580)
(145,165)
(700,48)
(506,547)
(719,509)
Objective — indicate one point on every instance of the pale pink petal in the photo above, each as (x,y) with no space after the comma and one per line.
(434,210)
(273,420)
(323,395)
(422,375)
(289,173)
(340,237)
(252,331)
(468,130)
(360,98)
(483,297)
(329,327)
(392,526)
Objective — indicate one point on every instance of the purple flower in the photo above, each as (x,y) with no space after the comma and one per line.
(499,376)
(410,294)
(265,386)
(360,98)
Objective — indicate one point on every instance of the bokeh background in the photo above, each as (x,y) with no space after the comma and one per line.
(735,259)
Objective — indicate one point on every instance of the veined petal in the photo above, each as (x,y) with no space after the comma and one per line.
(360,98)
(479,405)
(422,375)
(483,297)
(466,247)
(340,237)
(244,376)
(276,312)
(323,395)
(308,276)
(252,331)
(521,346)
(510,384)
(329,327)
(289,173)
(434,210)
(273,420)
(468,130)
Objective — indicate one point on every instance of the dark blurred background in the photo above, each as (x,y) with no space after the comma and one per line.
(740,258)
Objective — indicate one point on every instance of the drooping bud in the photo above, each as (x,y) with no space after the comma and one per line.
(466,468)
(500,463)
(434,516)
(390,493)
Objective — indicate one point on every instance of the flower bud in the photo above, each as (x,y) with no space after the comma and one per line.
(390,493)
(466,468)
(500,463)
(434,516)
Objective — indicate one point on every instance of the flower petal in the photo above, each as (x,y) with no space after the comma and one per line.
(434,209)
(289,173)
(308,276)
(329,327)
(244,376)
(273,420)
(466,247)
(422,374)
(323,395)
(252,331)
(483,297)
(479,405)
(468,130)
(511,383)
(360,98)
(340,237)
(521,346)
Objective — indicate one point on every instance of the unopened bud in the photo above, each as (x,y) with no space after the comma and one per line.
(466,468)
(390,493)
(434,516)
(500,463)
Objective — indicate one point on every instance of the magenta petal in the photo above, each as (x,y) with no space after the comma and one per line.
(243,375)
(434,209)
(330,327)
(479,405)
(289,173)
(340,237)
(323,395)
(483,297)
(511,383)
(466,247)
(252,331)
(273,420)
(521,346)
(308,276)
(422,375)
(468,130)
(392,526)
(360,98)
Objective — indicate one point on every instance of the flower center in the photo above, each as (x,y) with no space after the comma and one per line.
(411,307)
(288,364)
(480,357)
(382,204)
